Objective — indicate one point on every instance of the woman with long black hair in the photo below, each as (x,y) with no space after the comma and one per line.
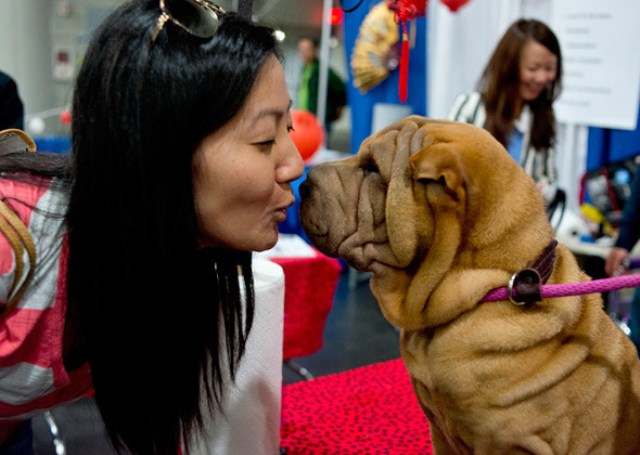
(142,289)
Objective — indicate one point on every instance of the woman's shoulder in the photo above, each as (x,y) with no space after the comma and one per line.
(465,107)
(467,98)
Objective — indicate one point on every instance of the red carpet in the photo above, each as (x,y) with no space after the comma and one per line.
(367,410)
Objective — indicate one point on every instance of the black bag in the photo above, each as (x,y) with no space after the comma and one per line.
(609,187)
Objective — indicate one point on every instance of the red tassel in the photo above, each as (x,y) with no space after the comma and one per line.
(403,84)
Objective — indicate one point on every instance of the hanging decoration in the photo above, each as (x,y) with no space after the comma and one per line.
(375,52)
(405,11)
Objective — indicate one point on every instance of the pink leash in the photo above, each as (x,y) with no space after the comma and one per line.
(563,290)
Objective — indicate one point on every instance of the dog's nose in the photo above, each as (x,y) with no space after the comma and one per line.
(305,189)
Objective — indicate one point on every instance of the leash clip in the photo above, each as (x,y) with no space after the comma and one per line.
(527,283)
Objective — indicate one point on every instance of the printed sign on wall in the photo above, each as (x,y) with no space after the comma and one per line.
(601,62)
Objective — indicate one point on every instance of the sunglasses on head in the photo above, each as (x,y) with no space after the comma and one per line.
(198,17)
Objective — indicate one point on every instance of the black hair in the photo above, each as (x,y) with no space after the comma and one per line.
(156,316)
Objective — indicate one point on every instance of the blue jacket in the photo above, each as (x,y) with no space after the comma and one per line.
(629,232)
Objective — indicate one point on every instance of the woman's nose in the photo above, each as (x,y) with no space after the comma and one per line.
(292,165)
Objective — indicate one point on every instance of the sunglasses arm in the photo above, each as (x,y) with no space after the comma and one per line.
(164,17)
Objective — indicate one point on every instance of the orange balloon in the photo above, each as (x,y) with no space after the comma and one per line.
(307,134)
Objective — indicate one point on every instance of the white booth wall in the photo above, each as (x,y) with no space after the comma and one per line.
(25,50)
(33,34)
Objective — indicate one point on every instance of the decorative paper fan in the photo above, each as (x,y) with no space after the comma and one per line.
(375,53)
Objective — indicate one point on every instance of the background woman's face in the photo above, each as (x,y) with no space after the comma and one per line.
(242,171)
(538,69)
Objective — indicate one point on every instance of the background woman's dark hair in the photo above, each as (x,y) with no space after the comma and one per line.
(146,304)
(500,84)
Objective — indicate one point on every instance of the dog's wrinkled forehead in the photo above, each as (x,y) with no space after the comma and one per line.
(389,150)
(385,157)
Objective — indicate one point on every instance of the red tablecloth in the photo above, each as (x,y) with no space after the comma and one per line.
(309,287)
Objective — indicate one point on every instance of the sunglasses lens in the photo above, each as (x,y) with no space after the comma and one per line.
(195,17)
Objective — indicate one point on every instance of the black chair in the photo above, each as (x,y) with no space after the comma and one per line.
(559,203)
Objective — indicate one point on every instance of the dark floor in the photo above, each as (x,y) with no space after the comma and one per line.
(355,335)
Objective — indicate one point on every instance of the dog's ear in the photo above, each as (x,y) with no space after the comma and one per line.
(440,165)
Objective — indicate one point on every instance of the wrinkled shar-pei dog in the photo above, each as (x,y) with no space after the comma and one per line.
(440,214)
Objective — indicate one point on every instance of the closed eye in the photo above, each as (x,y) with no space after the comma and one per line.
(370,167)
(271,142)
(265,144)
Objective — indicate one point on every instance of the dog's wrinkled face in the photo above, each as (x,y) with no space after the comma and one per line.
(345,205)
(420,197)
(378,206)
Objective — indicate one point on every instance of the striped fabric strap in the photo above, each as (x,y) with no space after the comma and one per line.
(20,239)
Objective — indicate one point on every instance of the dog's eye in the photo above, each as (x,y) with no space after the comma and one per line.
(426,180)
(370,167)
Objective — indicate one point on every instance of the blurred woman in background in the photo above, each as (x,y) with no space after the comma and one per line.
(515,96)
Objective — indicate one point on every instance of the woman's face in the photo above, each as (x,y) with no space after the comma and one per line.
(242,171)
(538,69)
